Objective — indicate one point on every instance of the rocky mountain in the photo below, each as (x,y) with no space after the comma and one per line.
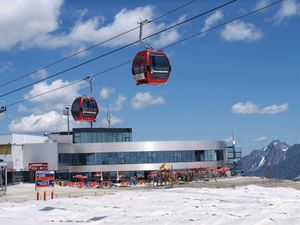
(278,160)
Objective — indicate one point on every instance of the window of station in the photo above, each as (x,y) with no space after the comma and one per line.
(112,158)
(219,155)
(210,156)
(100,137)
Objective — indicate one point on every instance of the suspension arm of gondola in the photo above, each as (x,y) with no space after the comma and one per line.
(90,78)
(142,23)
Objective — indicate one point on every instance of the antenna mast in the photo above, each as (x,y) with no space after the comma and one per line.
(233,137)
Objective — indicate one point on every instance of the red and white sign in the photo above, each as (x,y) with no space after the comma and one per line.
(38,166)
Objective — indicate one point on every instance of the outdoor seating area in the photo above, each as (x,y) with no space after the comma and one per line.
(165,176)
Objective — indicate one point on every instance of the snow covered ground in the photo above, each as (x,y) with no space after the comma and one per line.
(240,205)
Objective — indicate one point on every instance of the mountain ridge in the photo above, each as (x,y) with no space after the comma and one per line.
(276,160)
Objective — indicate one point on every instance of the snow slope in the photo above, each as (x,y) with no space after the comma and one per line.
(242,205)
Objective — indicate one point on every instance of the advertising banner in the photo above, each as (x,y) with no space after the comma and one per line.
(44,179)
(38,166)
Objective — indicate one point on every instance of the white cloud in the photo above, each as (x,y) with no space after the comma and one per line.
(23,108)
(287,9)
(51,121)
(53,100)
(105,92)
(274,109)
(82,13)
(6,66)
(229,139)
(26,26)
(23,21)
(245,108)
(212,20)
(41,74)
(118,104)
(79,51)
(166,37)
(262,3)
(241,31)
(251,108)
(114,121)
(259,139)
(91,31)
(142,100)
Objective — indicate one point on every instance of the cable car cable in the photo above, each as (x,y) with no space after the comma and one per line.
(171,11)
(96,45)
(170,45)
(72,83)
(225,23)
(118,49)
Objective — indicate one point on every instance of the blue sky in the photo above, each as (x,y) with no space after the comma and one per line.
(244,75)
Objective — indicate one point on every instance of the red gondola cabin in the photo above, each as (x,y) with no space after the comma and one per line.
(151,67)
(85,109)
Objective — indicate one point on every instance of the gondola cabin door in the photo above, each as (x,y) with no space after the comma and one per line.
(139,69)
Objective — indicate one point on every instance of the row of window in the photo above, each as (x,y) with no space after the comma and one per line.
(95,137)
(111,158)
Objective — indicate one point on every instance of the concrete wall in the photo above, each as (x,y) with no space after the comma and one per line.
(62,139)
(38,153)
(17,141)
(24,139)
(17,157)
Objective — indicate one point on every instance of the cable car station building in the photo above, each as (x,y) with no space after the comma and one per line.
(109,151)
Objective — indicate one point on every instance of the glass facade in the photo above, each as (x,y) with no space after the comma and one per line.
(112,158)
(234,158)
(100,135)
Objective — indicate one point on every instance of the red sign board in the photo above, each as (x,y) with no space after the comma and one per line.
(44,179)
(38,166)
